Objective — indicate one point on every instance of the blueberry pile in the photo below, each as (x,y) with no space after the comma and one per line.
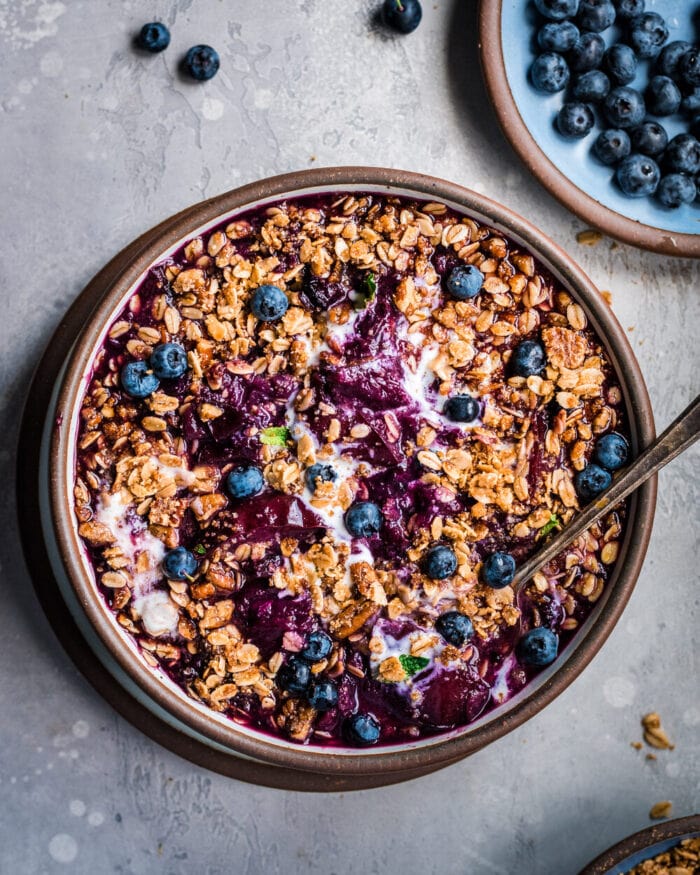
(601,81)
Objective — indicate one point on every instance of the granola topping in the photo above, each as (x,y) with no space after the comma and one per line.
(353,376)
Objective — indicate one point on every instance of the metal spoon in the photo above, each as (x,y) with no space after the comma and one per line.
(681,434)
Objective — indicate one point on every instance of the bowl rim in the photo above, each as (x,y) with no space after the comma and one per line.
(452,746)
(646,838)
(549,175)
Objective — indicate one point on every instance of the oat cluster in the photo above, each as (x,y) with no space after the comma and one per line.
(683,859)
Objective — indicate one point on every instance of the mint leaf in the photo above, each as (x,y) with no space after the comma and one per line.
(199,550)
(413,664)
(275,436)
(548,527)
(367,293)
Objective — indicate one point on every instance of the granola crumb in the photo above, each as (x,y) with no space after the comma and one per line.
(589,237)
(661,810)
(654,734)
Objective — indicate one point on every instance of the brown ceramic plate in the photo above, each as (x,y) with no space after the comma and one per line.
(566,168)
(644,845)
(118,653)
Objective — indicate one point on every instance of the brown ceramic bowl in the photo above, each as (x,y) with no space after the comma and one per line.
(644,845)
(115,649)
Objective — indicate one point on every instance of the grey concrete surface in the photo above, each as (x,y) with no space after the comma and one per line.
(98,144)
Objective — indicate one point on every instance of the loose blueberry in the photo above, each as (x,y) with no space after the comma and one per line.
(592,481)
(154,37)
(465,282)
(587,52)
(683,154)
(557,10)
(454,627)
(319,472)
(363,519)
(669,58)
(440,562)
(611,451)
(624,107)
(689,68)
(629,8)
(294,676)
(638,175)
(318,646)
(137,380)
(244,481)
(528,358)
(168,361)
(268,303)
(575,120)
(498,570)
(675,190)
(179,564)
(323,696)
(649,138)
(690,105)
(647,34)
(557,36)
(611,146)
(595,15)
(662,96)
(403,16)
(549,73)
(620,62)
(202,62)
(591,87)
(361,730)
(461,408)
(538,647)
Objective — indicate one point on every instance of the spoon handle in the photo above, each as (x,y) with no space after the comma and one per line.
(682,433)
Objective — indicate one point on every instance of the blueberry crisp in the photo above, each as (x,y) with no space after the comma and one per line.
(315,445)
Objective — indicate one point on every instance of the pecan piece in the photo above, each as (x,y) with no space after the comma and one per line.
(352,618)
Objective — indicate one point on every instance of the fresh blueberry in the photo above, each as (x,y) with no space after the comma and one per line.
(669,58)
(683,154)
(591,87)
(461,408)
(695,127)
(575,120)
(361,730)
(557,10)
(662,96)
(676,189)
(611,451)
(202,62)
(168,361)
(179,564)
(527,358)
(587,52)
(690,104)
(244,481)
(402,15)
(592,481)
(440,562)
(595,15)
(294,676)
(138,380)
(629,8)
(624,107)
(647,34)
(268,303)
(689,68)
(549,73)
(649,138)
(454,627)
(318,646)
(363,519)
(154,37)
(318,471)
(611,146)
(538,647)
(557,36)
(638,175)
(323,695)
(620,62)
(498,570)
(465,282)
